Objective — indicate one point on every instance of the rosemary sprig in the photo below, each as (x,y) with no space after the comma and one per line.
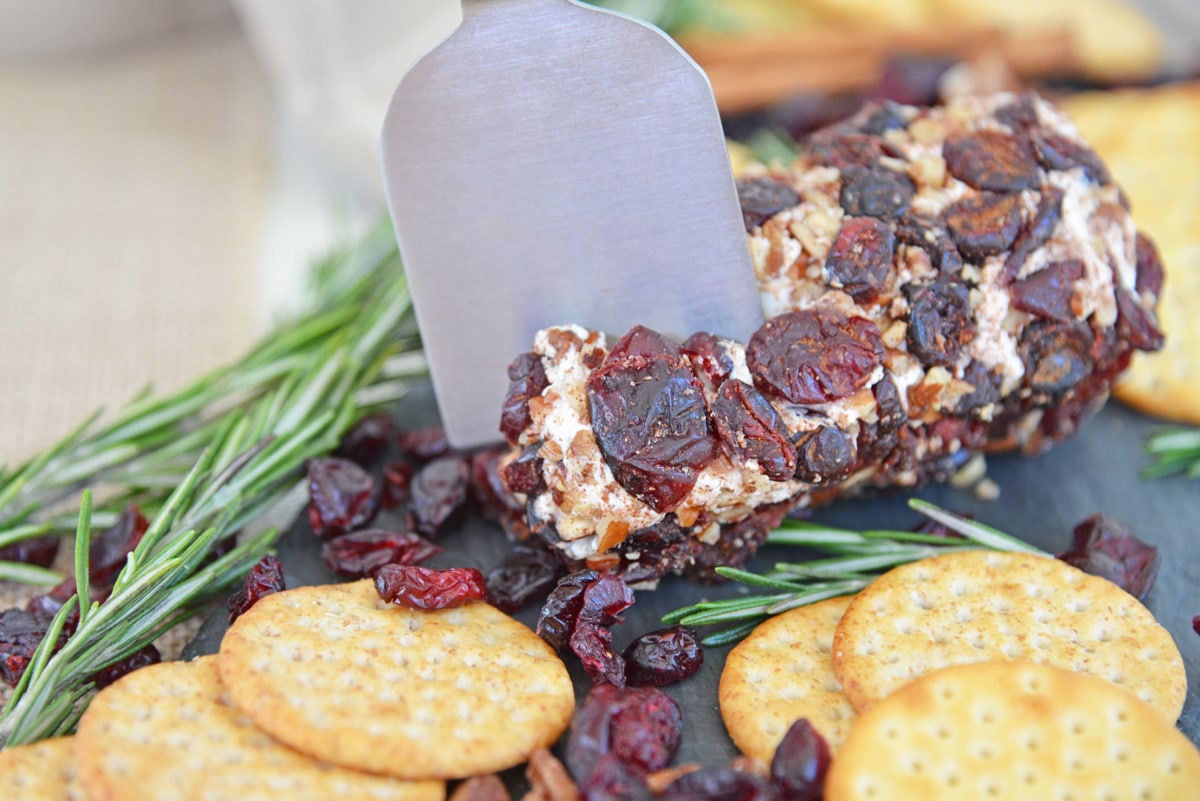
(361,314)
(204,463)
(856,558)
(1176,450)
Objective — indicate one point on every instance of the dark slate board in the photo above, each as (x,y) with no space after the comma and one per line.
(1041,500)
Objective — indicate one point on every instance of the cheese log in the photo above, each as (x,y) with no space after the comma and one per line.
(937,282)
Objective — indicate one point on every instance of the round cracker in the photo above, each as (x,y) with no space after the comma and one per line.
(336,672)
(42,771)
(781,672)
(1013,732)
(1146,159)
(983,606)
(168,733)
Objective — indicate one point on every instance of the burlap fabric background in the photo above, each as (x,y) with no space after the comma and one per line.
(132,198)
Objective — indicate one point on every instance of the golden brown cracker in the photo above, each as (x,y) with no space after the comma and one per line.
(43,771)
(781,672)
(168,733)
(336,672)
(983,606)
(1013,732)
(1148,139)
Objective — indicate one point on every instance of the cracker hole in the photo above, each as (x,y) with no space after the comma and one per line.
(1041,617)
(916,766)
(1121,714)
(964,616)
(1032,743)
(905,627)
(1011,650)
(1077,727)
(991,789)
(1035,591)
(891,733)
(1123,610)
(1002,606)
(984,752)
(952,780)
(1146,793)
(1121,754)
(1030,778)
(1078,605)
(959,589)
(942,733)
(1103,635)
(1075,763)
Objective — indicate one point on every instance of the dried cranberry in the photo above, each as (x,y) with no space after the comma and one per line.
(861,256)
(641,727)
(814,356)
(1105,547)
(527,379)
(885,116)
(342,496)
(107,552)
(663,657)
(265,578)
(35,551)
(842,149)
(1149,267)
(138,659)
(439,495)
(361,553)
(875,192)
(649,417)
(1021,113)
(991,160)
(491,496)
(762,198)
(613,780)
(800,763)
(426,588)
(557,618)
(397,484)
(1057,152)
(986,388)
(824,455)
(367,439)
(911,79)
(1136,325)
(602,601)
(709,359)
(527,573)
(423,444)
(736,544)
(932,238)
(717,784)
(524,474)
(20,635)
(1057,356)
(985,224)
(1036,234)
(939,323)
(750,429)
(1196,624)
(1048,292)
(876,439)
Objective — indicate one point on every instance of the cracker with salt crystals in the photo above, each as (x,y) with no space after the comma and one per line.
(984,606)
(42,771)
(337,673)
(1013,732)
(1148,139)
(167,733)
(781,672)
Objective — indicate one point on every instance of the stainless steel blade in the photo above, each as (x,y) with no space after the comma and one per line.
(554,163)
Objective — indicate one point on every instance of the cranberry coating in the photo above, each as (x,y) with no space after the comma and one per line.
(991,160)
(397,484)
(107,552)
(603,600)
(20,635)
(824,455)
(557,618)
(717,784)
(36,551)
(814,356)
(1107,548)
(1057,152)
(985,224)
(762,198)
(1035,234)
(800,763)
(842,149)
(1137,325)
(650,419)
(749,428)
(663,657)
(527,379)
(265,578)
(527,574)
(1048,292)
(425,588)
(1057,356)
(710,361)
(440,491)
(938,320)
(423,444)
(342,496)
(1149,267)
(488,490)
(360,554)
(861,256)
(875,192)
(524,474)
